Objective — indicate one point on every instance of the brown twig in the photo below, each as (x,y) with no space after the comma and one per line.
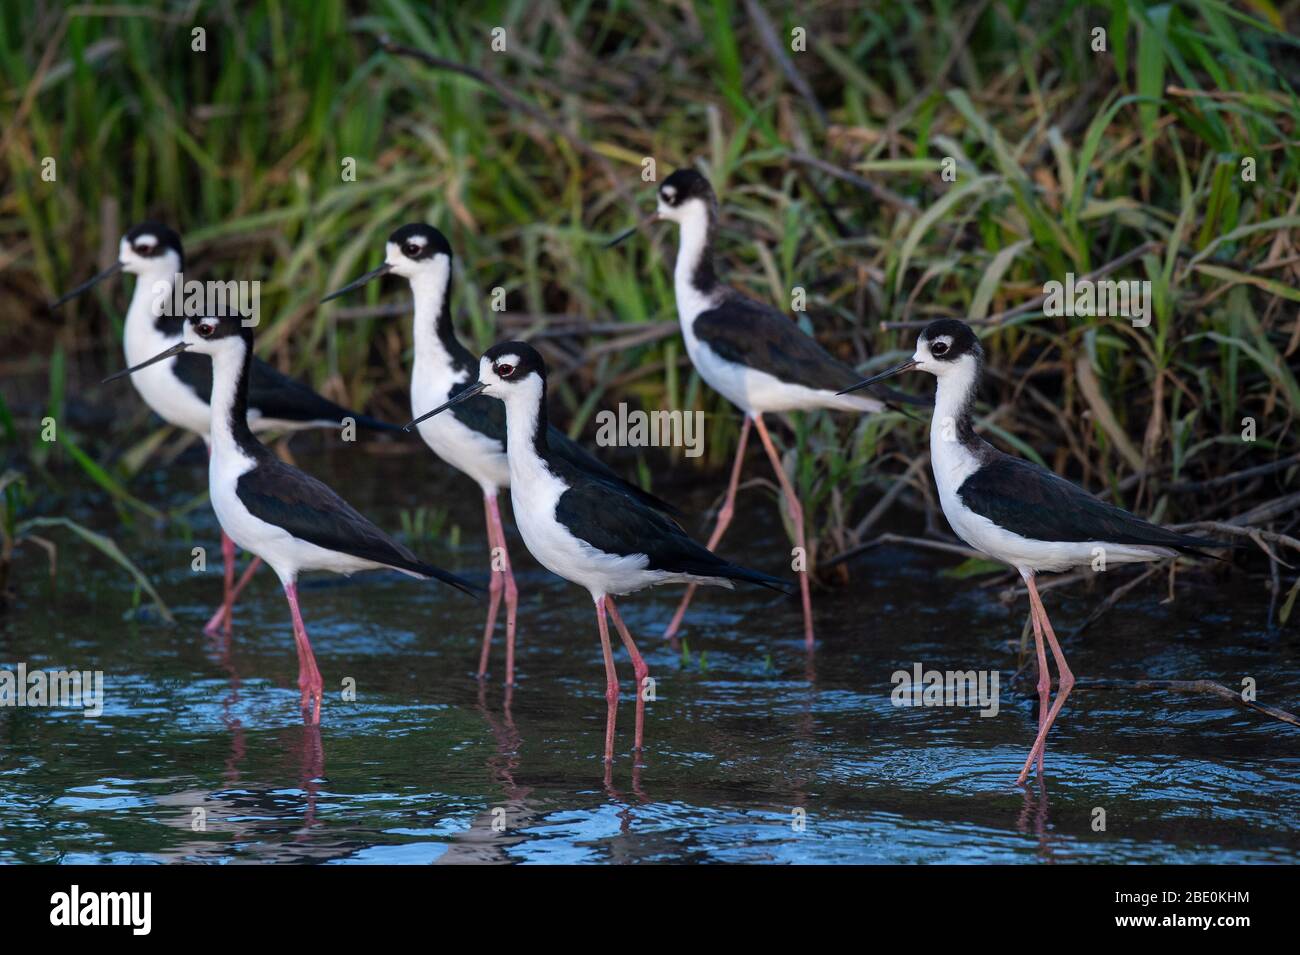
(940,77)
(890,538)
(1258,471)
(877,190)
(1114,597)
(767,35)
(1035,303)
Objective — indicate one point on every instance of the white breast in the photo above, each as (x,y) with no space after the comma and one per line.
(169,397)
(744,387)
(534,494)
(953,463)
(284,553)
(465,449)
(734,382)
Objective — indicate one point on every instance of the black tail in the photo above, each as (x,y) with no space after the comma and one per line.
(1194,545)
(446,576)
(744,574)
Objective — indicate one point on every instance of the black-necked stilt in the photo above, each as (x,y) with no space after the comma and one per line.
(1016,511)
(472,438)
(179,390)
(750,353)
(587,530)
(271,509)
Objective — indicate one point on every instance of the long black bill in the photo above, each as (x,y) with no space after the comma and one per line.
(465,395)
(626,234)
(887,373)
(161,356)
(87,285)
(357,283)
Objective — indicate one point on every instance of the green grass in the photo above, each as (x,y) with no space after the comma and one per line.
(1067,159)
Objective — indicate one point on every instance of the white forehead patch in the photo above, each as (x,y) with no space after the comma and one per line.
(148,240)
(506,360)
(418,240)
(669,191)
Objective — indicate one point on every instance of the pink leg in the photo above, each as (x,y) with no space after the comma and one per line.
(228,567)
(1063,691)
(494,589)
(611,680)
(724,519)
(223,613)
(226,610)
(309,679)
(512,592)
(639,667)
(1044,678)
(796,516)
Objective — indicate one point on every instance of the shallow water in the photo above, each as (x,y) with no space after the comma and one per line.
(756,751)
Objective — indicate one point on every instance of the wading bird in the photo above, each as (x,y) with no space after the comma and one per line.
(588,531)
(179,390)
(1016,511)
(271,509)
(472,439)
(748,352)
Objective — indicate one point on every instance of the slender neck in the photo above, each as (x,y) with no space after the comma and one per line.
(229,424)
(155,289)
(954,401)
(526,426)
(694,267)
(435,339)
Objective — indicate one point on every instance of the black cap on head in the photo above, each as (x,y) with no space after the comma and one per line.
(514,361)
(212,327)
(686,184)
(164,238)
(419,241)
(950,338)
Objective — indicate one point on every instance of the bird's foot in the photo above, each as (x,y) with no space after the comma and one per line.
(214,626)
(311,688)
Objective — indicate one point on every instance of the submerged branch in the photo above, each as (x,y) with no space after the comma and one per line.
(1193,686)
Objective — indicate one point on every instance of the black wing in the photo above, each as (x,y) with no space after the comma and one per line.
(282,495)
(487,416)
(579,457)
(615,522)
(1031,501)
(751,333)
(483,414)
(275,395)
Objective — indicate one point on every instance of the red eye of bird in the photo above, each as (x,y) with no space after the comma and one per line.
(205,329)
(505,371)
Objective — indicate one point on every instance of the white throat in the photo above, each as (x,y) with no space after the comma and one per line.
(951,460)
(227,364)
(695,236)
(429,286)
(692,301)
(953,390)
(141,332)
(522,422)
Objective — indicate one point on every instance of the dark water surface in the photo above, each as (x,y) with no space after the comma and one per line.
(427,764)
